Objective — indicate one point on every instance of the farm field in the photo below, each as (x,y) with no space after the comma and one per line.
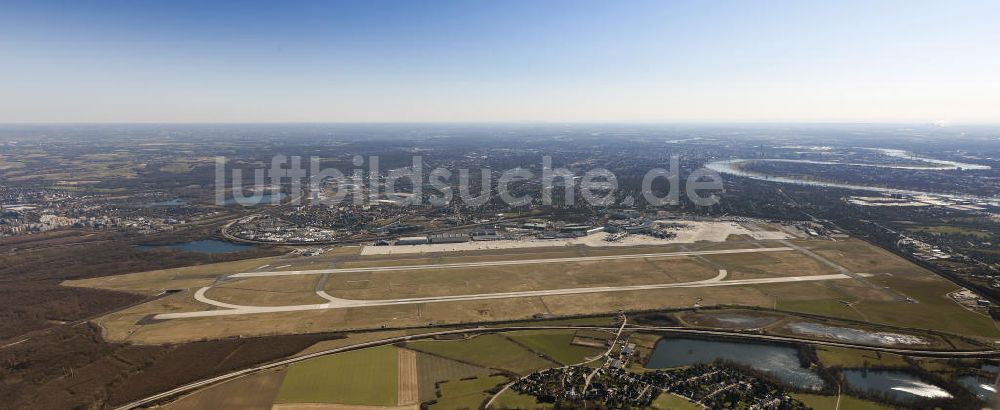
(490,350)
(432,369)
(555,344)
(466,394)
(818,402)
(952,230)
(254,392)
(361,377)
(511,399)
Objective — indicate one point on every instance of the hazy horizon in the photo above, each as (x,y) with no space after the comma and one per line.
(645,62)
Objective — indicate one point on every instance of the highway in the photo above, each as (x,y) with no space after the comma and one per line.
(656,329)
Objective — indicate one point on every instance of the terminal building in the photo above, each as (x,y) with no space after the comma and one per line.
(412,240)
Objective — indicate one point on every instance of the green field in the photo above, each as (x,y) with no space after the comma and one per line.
(432,369)
(838,356)
(818,402)
(830,307)
(949,230)
(490,350)
(554,344)
(934,309)
(668,401)
(362,377)
(466,394)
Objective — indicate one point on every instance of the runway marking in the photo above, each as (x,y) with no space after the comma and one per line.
(336,303)
(508,263)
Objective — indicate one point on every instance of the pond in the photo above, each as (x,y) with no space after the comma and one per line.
(203,246)
(896,384)
(982,387)
(779,361)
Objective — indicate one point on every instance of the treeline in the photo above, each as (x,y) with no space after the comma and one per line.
(32,298)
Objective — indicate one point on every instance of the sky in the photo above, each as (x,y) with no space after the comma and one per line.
(500,61)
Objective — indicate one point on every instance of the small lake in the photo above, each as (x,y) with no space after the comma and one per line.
(899,385)
(203,246)
(982,387)
(779,361)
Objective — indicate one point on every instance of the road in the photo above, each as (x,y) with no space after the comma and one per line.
(668,330)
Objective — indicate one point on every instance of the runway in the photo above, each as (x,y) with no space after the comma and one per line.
(229,309)
(510,262)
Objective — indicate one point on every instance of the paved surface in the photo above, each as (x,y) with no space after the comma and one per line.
(336,303)
(510,262)
(229,309)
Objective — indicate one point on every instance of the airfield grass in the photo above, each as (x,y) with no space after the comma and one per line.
(489,350)
(175,278)
(556,344)
(828,307)
(492,279)
(934,310)
(949,229)
(670,401)
(819,402)
(268,291)
(769,265)
(862,257)
(368,263)
(361,377)
(466,394)
(511,399)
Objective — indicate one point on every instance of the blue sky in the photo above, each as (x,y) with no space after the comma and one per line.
(374,61)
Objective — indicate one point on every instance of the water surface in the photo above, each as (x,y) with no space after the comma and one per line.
(731,167)
(779,361)
(896,384)
(982,387)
